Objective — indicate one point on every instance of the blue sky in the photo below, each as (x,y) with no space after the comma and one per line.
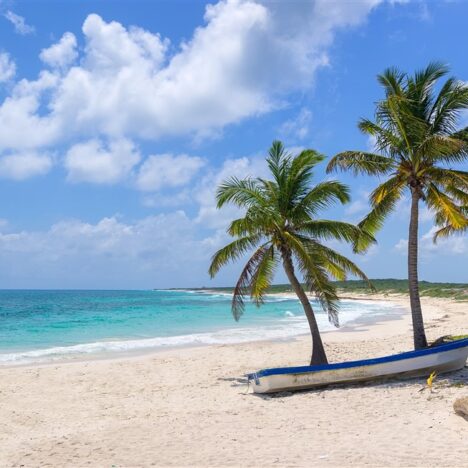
(118,119)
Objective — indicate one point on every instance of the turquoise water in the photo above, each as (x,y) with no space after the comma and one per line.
(38,326)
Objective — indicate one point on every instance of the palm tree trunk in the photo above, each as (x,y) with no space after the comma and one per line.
(419,334)
(318,351)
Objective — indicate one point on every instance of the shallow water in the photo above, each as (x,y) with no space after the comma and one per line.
(41,326)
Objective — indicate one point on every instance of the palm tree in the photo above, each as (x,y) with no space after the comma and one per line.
(416,136)
(280,224)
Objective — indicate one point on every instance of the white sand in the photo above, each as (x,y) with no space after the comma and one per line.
(189,407)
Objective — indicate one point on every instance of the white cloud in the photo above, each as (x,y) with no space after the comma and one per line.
(403,208)
(298,127)
(357,207)
(166,170)
(21,27)
(401,246)
(61,54)
(425,214)
(209,215)
(93,161)
(19,116)
(202,191)
(150,252)
(128,83)
(7,67)
(453,245)
(20,166)
(372,251)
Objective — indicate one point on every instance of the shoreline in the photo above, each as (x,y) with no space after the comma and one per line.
(107,355)
(189,407)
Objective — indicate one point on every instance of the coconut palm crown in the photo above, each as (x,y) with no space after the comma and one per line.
(280,224)
(417,141)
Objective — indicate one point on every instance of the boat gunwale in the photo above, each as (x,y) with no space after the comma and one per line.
(363,362)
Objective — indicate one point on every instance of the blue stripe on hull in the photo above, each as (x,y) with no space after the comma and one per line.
(365,362)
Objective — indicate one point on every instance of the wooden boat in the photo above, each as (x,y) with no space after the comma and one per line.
(443,358)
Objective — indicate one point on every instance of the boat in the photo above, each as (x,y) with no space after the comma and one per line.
(440,359)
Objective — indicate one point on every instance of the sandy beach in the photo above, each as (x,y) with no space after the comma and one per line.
(191,407)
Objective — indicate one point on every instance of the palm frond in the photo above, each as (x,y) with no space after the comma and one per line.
(347,265)
(392,80)
(446,207)
(263,276)
(324,229)
(244,282)
(386,141)
(315,275)
(375,219)
(452,99)
(449,230)
(241,192)
(321,196)
(359,162)
(278,161)
(446,177)
(394,184)
(232,252)
(443,149)
(298,179)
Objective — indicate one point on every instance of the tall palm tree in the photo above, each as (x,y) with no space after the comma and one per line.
(417,141)
(280,224)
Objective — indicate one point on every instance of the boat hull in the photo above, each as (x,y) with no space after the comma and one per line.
(406,365)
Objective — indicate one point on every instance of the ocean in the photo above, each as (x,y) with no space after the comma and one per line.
(44,326)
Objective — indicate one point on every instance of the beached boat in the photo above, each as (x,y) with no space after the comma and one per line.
(443,358)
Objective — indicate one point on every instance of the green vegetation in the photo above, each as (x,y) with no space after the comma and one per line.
(417,140)
(457,291)
(448,339)
(281,224)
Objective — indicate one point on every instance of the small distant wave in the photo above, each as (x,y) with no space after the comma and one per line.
(288,313)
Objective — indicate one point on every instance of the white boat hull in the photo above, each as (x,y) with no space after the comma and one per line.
(444,358)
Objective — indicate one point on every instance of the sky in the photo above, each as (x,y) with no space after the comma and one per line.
(118,119)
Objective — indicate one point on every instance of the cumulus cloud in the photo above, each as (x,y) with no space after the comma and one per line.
(21,166)
(62,53)
(21,27)
(128,83)
(7,67)
(166,170)
(93,161)
(19,116)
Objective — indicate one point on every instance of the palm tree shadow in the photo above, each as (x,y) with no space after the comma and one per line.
(453,379)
